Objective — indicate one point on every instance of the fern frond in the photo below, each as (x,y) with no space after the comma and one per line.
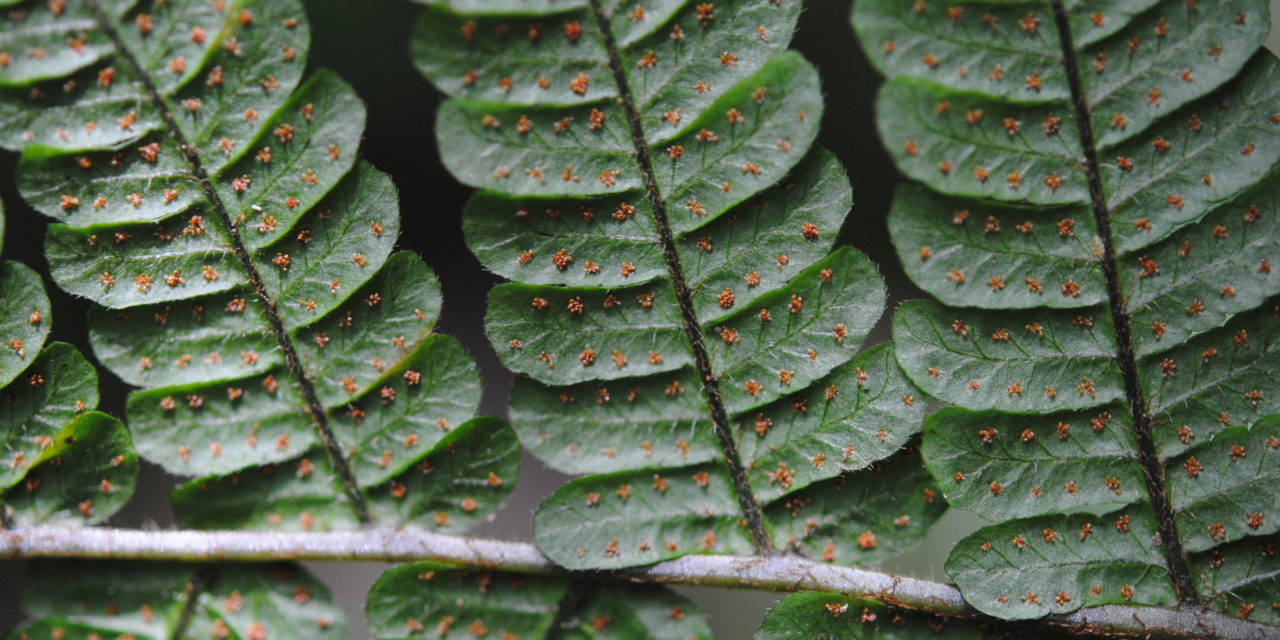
(83,600)
(1095,219)
(444,599)
(65,464)
(799,616)
(683,329)
(241,260)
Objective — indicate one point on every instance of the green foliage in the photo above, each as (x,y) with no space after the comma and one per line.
(151,601)
(830,616)
(25,324)
(1239,574)
(1027,246)
(1092,212)
(684,331)
(241,261)
(64,463)
(457,485)
(443,601)
(1221,492)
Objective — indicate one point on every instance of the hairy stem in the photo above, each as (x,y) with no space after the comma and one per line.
(319,418)
(773,573)
(1152,467)
(710,383)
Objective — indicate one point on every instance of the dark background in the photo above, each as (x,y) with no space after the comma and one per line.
(366,42)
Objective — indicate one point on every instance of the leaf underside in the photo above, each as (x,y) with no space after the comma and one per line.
(442,601)
(674,225)
(64,464)
(830,616)
(1003,223)
(211,203)
(79,600)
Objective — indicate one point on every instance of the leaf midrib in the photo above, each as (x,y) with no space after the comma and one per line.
(750,506)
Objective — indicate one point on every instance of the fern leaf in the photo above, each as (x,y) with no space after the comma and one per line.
(443,599)
(1096,229)
(668,47)
(684,330)
(866,516)
(1239,575)
(1008,360)
(1226,384)
(1026,568)
(1033,455)
(240,259)
(24,330)
(66,464)
(1224,493)
(456,487)
(77,600)
(829,615)
(83,479)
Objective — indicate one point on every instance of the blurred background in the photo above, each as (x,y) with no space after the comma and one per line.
(367,43)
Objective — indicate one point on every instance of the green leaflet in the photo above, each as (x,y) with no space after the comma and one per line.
(285,164)
(443,601)
(1003,466)
(1027,568)
(647,515)
(862,517)
(657,201)
(1225,489)
(78,600)
(609,234)
(83,477)
(25,324)
(1239,579)
(655,197)
(248,285)
(847,420)
(357,361)
(997,51)
(712,163)
(64,463)
(450,488)
(1216,269)
(489,53)
(963,259)
(1227,380)
(640,517)
(1007,232)
(107,106)
(641,334)
(1154,187)
(830,616)
(1008,360)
